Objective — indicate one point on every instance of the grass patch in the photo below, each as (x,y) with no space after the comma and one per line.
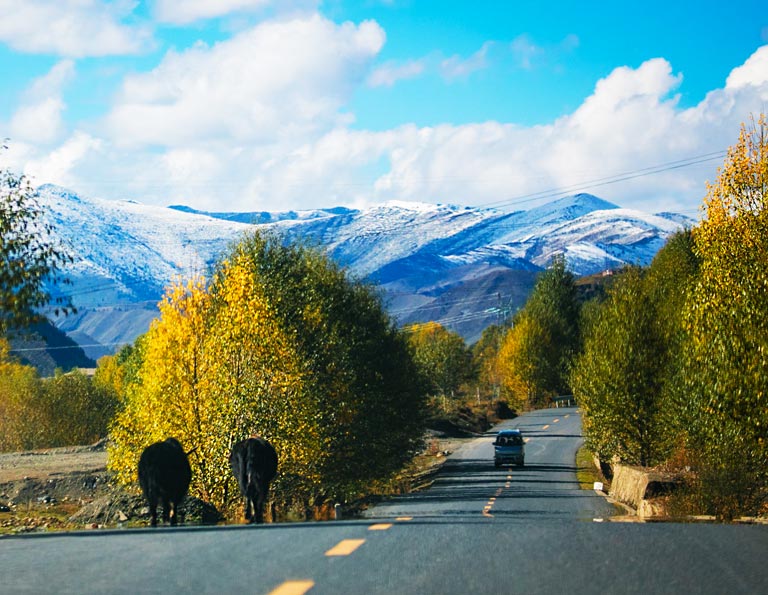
(37,519)
(586,472)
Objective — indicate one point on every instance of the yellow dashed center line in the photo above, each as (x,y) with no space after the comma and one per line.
(345,547)
(492,500)
(546,427)
(567,416)
(293,588)
(526,440)
(554,421)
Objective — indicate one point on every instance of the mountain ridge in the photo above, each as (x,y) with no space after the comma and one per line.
(422,255)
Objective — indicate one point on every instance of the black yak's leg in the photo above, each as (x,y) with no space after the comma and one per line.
(250,502)
(153,512)
(166,510)
(260,500)
(248,507)
(178,509)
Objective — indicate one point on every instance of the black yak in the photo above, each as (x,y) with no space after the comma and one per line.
(254,463)
(164,476)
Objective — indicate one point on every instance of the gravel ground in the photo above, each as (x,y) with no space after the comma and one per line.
(52,462)
(68,487)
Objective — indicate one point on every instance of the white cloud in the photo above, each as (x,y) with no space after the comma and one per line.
(39,119)
(390,73)
(457,67)
(57,166)
(753,72)
(281,78)
(257,122)
(570,42)
(529,55)
(72,28)
(525,51)
(183,12)
(630,122)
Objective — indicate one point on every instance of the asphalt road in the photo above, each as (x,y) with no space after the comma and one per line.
(545,488)
(477,530)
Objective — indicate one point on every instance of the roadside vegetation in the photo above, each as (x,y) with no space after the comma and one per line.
(674,369)
(283,344)
(667,362)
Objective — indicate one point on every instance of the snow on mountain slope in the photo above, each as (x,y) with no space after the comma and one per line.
(127,253)
(260,217)
(368,240)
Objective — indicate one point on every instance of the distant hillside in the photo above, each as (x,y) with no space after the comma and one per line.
(48,348)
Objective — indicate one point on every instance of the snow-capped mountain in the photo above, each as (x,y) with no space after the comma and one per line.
(460,265)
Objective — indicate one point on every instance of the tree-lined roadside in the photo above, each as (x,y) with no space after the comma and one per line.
(674,370)
(668,362)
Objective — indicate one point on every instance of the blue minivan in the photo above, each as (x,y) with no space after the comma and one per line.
(509,448)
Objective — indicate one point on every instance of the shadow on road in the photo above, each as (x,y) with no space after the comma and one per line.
(475,480)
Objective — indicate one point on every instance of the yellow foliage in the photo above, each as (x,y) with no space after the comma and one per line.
(18,389)
(216,369)
(442,355)
(519,359)
(279,343)
(726,317)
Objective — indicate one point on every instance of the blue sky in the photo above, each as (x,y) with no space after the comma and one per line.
(271,105)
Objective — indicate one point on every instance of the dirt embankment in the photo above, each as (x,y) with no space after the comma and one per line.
(52,462)
(40,489)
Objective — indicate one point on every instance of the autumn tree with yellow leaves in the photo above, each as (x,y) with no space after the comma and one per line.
(283,344)
(725,383)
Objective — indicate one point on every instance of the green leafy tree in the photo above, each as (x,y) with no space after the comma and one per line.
(367,393)
(668,281)
(617,380)
(30,259)
(72,410)
(537,351)
(441,355)
(627,378)
(726,324)
(554,304)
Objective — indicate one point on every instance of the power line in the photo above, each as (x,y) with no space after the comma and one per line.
(598,182)
(557,193)
(438,304)
(63,347)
